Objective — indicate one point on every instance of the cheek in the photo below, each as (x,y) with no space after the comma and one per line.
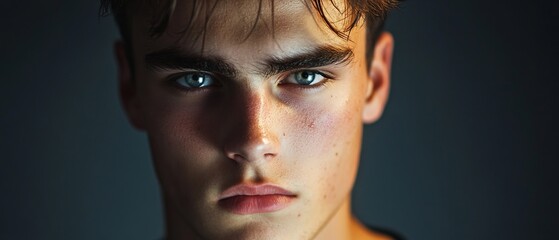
(181,150)
(328,125)
(328,144)
(177,123)
(170,129)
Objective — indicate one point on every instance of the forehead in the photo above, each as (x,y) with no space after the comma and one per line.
(214,25)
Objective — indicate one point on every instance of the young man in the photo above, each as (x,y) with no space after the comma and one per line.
(254,110)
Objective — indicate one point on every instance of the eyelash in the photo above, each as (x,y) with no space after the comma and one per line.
(172,80)
(327,79)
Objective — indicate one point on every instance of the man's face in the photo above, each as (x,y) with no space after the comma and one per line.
(253,105)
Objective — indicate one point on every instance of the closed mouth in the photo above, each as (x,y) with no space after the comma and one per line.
(250,199)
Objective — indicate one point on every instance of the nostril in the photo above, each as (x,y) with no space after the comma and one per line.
(269,155)
(236,156)
(251,151)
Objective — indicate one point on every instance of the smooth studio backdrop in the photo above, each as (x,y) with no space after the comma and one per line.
(467,147)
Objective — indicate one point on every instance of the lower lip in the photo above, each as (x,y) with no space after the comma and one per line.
(244,204)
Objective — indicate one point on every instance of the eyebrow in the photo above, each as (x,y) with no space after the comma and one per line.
(173,58)
(316,57)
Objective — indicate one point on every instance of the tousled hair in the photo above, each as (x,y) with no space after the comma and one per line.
(372,11)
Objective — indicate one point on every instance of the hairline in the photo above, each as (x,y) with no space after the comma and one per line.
(373,23)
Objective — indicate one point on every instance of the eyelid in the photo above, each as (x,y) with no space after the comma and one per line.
(174,78)
(328,77)
(325,74)
(182,72)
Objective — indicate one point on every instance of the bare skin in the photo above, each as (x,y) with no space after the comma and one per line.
(255,121)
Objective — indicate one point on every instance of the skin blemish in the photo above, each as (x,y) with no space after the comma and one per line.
(311,125)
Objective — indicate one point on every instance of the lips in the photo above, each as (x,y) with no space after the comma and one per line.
(250,199)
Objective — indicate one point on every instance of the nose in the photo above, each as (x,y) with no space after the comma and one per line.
(251,136)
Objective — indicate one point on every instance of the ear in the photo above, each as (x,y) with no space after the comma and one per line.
(127,86)
(379,78)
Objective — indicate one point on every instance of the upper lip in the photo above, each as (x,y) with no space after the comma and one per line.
(254,190)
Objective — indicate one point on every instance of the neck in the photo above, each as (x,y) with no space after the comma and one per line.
(174,225)
(343,225)
(340,226)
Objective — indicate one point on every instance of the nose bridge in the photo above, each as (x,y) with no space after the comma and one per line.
(252,135)
(254,113)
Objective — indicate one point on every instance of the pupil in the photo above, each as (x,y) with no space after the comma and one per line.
(196,80)
(306,78)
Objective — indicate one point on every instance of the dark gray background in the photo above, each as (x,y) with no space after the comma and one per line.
(467,148)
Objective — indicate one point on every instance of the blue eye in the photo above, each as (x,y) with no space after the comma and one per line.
(305,77)
(195,80)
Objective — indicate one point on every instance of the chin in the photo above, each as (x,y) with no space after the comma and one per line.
(259,232)
(262,230)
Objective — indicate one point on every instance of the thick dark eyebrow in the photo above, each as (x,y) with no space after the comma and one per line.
(175,59)
(316,57)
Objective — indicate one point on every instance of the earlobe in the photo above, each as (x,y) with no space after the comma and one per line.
(379,78)
(127,87)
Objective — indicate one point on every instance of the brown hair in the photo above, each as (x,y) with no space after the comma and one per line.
(373,11)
